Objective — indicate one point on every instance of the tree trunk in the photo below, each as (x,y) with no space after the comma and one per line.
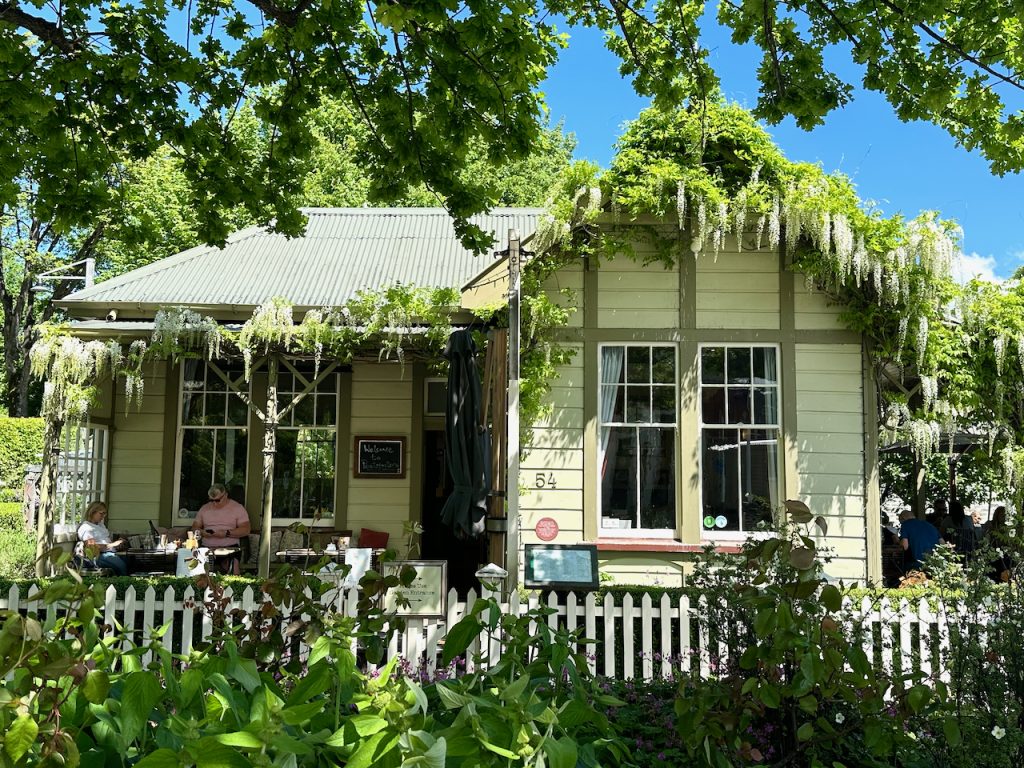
(269,451)
(47,494)
(12,358)
(24,379)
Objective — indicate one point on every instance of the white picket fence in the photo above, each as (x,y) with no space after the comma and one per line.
(630,639)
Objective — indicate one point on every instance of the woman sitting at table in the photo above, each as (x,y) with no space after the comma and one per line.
(224,522)
(93,534)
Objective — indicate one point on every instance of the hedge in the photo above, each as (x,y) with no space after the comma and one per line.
(21,444)
(17,546)
(10,516)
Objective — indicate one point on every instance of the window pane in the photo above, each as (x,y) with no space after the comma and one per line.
(663,365)
(304,474)
(712,405)
(712,365)
(284,382)
(664,405)
(759,459)
(315,453)
(196,468)
(657,478)
(618,477)
(613,404)
(238,412)
(330,385)
(611,365)
(232,451)
(437,397)
(191,407)
(214,383)
(287,480)
(215,408)
(738,365)
(720,466)
(765,405)
(304,411)
(638,405)
(739,405)
(326,410)
(191,392)
(638,365)
(764,366)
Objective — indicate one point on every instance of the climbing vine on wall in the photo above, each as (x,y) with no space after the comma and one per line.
(392,321)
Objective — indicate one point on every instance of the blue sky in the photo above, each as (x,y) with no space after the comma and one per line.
(903,167)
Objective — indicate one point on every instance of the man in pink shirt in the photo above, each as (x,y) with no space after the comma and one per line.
(223,522)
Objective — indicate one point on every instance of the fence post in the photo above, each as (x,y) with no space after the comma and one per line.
(627,637)
(703,637)
(609,635)
(685,649)
(170,610)
(665,615)
(187,620)
(110,610)
(888,647)
(571,618)
(590,628)
(128,620)
(646,637)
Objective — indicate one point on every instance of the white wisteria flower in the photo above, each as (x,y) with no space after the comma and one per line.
(998,731)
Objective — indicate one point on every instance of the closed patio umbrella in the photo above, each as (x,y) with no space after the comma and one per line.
(466,441)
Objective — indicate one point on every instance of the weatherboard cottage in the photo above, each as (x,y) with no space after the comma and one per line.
(688,403)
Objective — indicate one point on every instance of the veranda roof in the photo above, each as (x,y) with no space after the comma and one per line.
(343,250)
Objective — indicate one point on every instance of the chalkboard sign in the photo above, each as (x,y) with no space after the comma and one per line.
(380,456)
(560,566)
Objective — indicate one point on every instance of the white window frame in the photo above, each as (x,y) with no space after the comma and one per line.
(81,471)
(179,435)
(643,533)
(426,392)
(293,393)
(720,535)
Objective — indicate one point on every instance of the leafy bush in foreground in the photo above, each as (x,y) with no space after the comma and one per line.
(247,698)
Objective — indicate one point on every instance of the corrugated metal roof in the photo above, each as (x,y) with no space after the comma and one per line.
(343,250)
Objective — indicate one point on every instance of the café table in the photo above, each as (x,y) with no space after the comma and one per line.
(151,560)
(308,556)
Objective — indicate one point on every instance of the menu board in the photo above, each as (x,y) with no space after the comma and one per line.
(426,596)
(380,456)
(560,566)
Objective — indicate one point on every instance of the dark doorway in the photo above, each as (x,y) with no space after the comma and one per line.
(464,556)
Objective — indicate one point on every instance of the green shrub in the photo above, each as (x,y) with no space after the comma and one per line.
(10,516)
(246,698)
(21,444)
(17,553)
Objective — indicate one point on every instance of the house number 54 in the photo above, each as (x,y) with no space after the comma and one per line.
(542,480)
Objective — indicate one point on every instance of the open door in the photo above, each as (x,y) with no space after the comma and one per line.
(438,542)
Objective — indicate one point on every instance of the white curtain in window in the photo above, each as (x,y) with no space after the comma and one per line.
(769,375)
(612,359)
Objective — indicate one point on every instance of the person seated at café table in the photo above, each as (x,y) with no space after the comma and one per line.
(918,538)
(223,522)
(93,534)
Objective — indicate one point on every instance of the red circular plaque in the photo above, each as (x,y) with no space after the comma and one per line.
(546,529)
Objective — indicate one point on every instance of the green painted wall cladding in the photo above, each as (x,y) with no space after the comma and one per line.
(21,443)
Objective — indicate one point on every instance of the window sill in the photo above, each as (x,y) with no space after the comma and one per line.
(661,545)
